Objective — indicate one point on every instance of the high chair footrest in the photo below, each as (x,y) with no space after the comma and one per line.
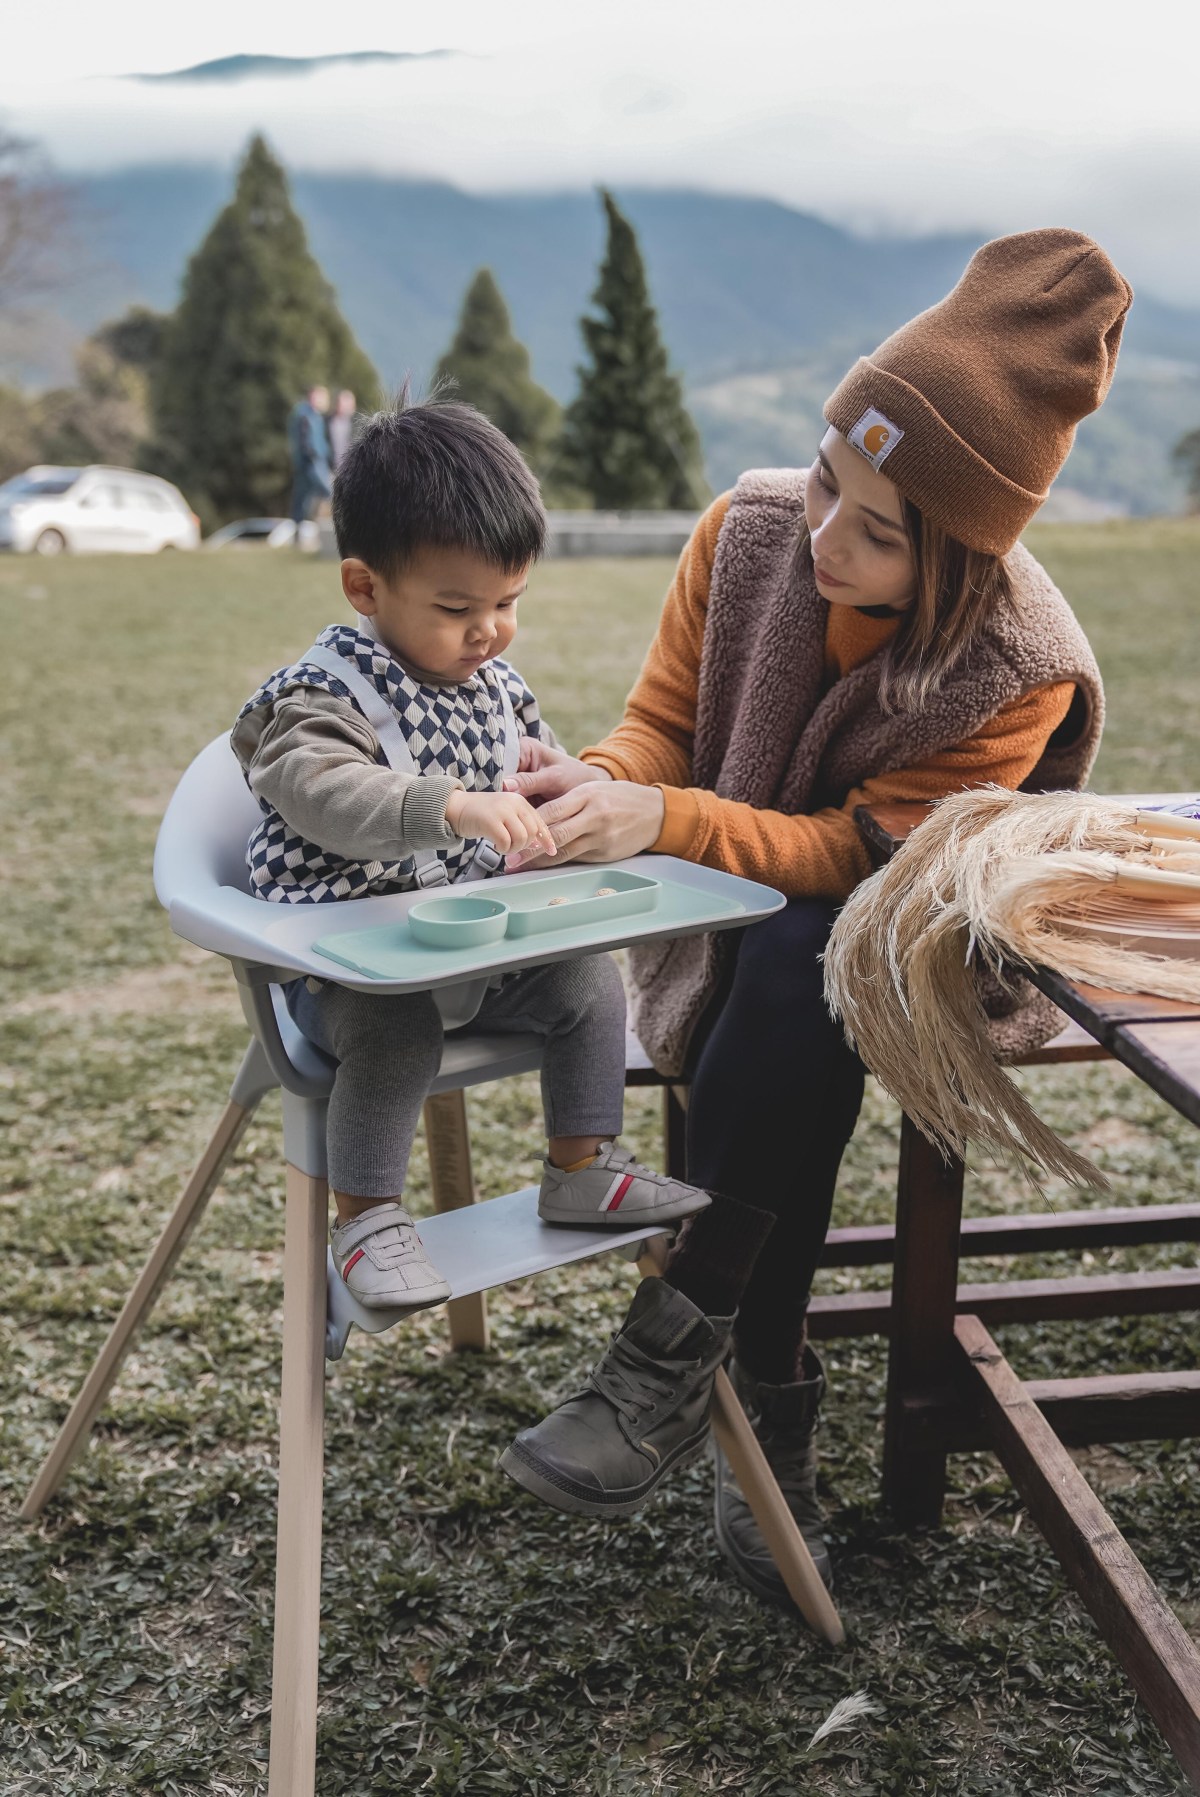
(477,1247)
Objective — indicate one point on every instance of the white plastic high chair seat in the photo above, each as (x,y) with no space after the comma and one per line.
(201,878)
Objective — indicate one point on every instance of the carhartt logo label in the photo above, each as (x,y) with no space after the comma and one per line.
(875,437)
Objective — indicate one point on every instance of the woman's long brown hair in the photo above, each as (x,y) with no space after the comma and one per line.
(956,590)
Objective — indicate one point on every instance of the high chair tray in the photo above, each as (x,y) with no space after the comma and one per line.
(280,940)
(575,911)
(563,907)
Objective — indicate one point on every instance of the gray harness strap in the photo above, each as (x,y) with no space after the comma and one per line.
(430,869)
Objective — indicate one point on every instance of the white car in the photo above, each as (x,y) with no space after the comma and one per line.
(51,510)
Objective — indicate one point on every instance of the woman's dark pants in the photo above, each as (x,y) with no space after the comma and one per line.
(774,1099)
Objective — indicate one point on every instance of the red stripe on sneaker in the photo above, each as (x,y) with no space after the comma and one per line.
(620,1192)
(352,1262)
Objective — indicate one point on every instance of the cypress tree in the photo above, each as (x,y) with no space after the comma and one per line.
(490,369)
(628,439)
(256,324)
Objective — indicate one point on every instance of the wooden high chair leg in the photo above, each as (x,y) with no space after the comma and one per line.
(453,1183)
(742,1449)
(154,1275)
(301,1477)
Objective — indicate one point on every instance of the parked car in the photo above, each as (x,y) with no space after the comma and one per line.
(246,533)
(52,510)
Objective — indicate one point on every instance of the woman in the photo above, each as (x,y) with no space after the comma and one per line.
(867,631)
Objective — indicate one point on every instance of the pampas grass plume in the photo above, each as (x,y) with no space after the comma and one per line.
(845,1715)
(991,879)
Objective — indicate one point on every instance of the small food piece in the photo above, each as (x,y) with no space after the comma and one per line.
(606,892)
(556,901)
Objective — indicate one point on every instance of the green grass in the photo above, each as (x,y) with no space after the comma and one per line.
(474,1642)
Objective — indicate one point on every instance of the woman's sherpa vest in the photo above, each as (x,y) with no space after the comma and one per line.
(767,735)
(456,730)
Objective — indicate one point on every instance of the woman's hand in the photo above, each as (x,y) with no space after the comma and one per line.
(544,773)
(604,820)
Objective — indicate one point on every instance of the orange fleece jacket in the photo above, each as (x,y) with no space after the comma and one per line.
(817,855)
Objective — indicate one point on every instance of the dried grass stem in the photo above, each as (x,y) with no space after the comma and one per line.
(992,879)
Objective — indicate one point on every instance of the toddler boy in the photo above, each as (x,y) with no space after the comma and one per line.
(377,760)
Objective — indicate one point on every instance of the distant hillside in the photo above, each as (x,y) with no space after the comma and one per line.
(257,68)
(1120,462)
(762,306)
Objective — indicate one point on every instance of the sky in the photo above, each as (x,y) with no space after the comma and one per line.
(887,115)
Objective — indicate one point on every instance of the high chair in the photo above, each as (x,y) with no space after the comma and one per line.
(200,877)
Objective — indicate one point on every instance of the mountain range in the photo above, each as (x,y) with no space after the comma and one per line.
(225,69)
(762,306)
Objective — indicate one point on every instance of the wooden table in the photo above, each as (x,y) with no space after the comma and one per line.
(950,1387)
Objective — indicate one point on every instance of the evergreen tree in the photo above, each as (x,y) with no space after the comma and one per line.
(102,418)
(1186,457)
(135,339)
(105,416)
(628,439)
(489,367)
(20,437)
(256,324)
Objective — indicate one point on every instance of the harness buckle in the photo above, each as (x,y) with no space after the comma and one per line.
(487,857)
(432,874)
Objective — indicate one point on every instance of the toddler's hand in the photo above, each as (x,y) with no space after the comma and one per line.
(505,819)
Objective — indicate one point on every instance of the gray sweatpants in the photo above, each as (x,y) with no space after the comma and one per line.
(388,1047)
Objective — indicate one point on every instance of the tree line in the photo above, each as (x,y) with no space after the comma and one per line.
(201,395)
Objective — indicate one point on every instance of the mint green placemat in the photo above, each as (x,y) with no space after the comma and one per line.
(390,951)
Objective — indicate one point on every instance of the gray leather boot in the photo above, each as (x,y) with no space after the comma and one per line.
(643,1412)
(785,1420)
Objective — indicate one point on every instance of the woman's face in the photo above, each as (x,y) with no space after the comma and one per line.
(860,548)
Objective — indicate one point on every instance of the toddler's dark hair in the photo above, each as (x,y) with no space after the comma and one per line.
(436,475)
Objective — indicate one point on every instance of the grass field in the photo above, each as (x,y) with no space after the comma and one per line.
(473,1642)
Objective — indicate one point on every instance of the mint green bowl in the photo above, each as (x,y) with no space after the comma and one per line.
(458,921)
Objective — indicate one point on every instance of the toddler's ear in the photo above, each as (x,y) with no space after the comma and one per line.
(358,584)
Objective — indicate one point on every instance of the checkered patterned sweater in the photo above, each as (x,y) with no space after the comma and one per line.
(454,730)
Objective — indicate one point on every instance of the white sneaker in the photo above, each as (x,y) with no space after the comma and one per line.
(614,1191)
(383,1261)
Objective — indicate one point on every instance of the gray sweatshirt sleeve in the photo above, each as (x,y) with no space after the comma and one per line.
(312,757)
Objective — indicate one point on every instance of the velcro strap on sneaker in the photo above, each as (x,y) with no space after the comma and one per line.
(384,1216)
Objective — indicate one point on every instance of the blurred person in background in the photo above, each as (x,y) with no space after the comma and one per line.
(308,447)
(341,426)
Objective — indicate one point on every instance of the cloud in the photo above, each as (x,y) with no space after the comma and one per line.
(892,119)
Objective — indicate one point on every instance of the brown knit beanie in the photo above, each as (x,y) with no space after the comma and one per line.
(971,408)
